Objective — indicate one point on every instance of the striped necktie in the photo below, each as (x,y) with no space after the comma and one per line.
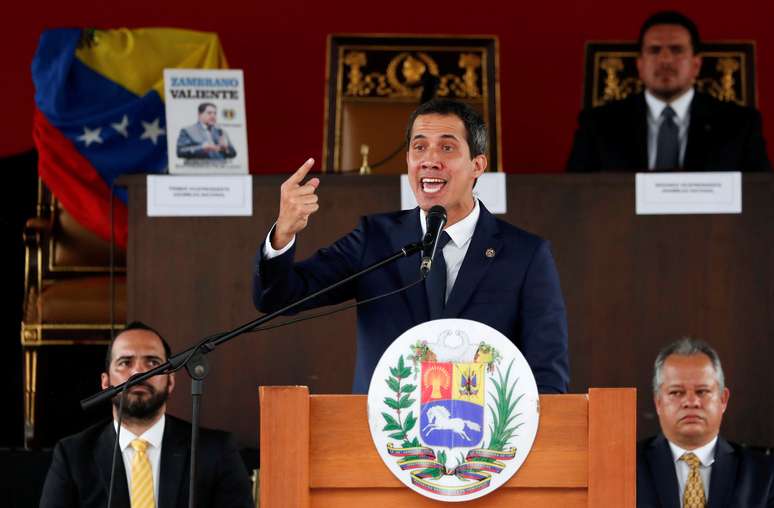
(693,496)
(142,477)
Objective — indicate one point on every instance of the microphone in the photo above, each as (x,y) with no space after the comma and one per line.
(436,220)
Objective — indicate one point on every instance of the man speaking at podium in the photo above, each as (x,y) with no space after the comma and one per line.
(491,271)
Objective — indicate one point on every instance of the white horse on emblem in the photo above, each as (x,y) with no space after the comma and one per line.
(439,418)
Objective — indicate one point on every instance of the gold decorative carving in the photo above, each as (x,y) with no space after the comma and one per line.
(471,62)
(403,77)
(723,88)
(727,68)
(355,60)
(616,88)
(723,84)
(412,70)
(30,336)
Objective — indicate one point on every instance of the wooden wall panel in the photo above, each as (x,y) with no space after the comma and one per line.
(631,284)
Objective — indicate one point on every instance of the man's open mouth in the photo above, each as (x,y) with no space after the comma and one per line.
(432,185)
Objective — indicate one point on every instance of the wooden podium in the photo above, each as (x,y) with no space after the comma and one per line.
(316,451)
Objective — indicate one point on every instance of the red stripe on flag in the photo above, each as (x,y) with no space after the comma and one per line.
(75,182)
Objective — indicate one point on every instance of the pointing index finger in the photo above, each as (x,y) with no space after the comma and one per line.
(302,171)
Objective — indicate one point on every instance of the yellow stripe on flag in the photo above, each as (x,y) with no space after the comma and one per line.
(136,59)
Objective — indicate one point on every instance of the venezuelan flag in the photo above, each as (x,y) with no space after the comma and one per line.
(99,97)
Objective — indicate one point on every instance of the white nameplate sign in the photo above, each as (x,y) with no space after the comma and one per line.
(490,189)
(199,196)
(688,193)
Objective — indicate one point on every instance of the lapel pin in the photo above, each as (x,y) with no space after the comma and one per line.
(490,253)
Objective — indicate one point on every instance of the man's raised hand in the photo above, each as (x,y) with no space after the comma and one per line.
(297,202)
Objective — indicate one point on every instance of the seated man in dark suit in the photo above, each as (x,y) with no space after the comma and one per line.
(492,272)
(152,469)
(670,126)
(690,465)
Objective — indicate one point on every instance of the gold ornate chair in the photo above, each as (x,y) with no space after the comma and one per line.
(70,297)
(727,72)
(374,82)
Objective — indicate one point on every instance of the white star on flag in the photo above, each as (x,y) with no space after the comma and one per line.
(121,127)
(152,131)
(90,136)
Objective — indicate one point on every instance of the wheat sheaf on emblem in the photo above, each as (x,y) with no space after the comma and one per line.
(453,401)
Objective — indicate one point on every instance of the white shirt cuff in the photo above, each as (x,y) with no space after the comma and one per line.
(270,252)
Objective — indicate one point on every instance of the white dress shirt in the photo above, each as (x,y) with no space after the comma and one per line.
(454,251)
(207,133)
(705,454)
(154,437)
(682,119)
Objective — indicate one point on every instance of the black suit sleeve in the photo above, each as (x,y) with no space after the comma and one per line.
(755,156)
(279,281)
(584,156)
(543,326)
(770,500)
(59,490)
(231,488)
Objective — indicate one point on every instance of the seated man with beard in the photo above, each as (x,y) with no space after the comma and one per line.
(154,471)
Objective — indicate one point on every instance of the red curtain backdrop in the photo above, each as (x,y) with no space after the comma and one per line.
(281,47)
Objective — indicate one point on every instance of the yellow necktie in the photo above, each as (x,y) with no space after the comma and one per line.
(693,497)
(142,477)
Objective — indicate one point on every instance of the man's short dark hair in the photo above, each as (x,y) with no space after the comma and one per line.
(135,325)
(672,18)
(205,105)
(475,129)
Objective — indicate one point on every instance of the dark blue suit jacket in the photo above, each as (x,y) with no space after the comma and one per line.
(516,291)
(739,478)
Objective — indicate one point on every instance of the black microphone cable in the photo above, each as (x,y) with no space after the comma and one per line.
(116,445)
(338,309)
(204,341)
(112,262)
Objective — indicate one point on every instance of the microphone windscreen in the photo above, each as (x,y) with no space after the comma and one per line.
(438,210)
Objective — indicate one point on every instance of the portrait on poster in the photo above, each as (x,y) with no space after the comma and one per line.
(206,121)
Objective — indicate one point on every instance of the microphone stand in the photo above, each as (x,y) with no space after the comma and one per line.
(195,362)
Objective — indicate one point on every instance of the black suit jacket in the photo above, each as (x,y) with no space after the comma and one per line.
(79,475)
(739,478)
(508,280)
(722,136)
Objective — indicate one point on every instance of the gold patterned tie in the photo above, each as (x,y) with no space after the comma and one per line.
(693,497)
(142,477)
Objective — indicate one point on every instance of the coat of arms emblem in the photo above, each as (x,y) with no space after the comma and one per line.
(453,409)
